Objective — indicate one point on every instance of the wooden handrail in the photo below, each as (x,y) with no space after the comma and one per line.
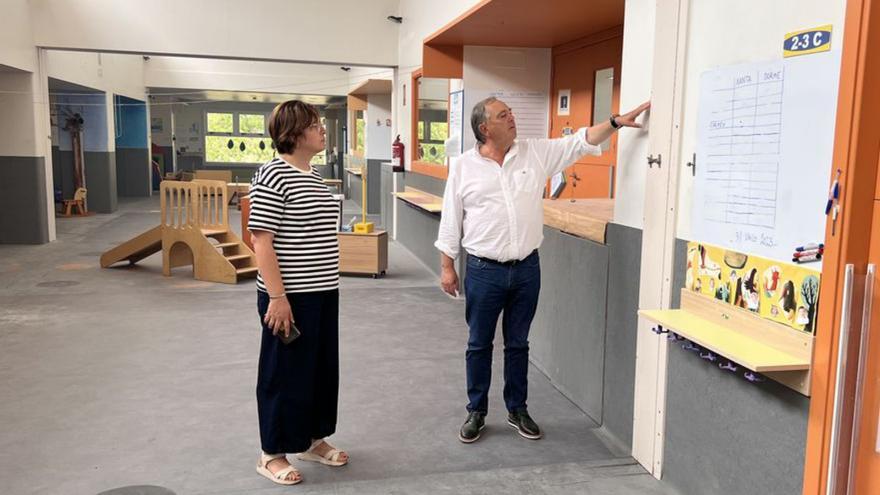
(199,204)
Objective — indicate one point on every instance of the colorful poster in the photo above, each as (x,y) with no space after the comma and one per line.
(781,292)
(790,296)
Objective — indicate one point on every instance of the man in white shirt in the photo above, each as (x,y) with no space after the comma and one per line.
(492,207)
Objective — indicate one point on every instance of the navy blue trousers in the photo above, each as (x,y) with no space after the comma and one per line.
(492,289)
(298,383)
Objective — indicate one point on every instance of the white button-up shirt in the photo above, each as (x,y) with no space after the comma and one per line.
(496,212)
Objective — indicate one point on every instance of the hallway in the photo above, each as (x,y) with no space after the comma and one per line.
(122,377)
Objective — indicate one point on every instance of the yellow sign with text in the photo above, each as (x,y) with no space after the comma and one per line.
(807,41)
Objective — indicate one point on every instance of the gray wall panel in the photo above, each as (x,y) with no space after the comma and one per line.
(374,186)
(387,200)
(568,333)
(726,435)
(62,171)
(23,215)
(355,189)
(679,265)
(101,181)
(417,231)
(426,183)
(624,268)
(133,172)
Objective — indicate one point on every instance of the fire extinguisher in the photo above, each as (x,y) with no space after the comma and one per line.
(397,161)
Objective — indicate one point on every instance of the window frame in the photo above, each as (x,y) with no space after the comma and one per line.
(416,165)
(236,133)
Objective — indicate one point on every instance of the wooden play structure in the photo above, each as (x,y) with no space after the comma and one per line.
(194,231)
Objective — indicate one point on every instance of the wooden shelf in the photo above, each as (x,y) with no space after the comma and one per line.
(587,218)
(355,171)
(780,352)
(421,199)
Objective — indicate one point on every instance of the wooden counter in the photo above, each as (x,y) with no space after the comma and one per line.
(587,218)
(421,199)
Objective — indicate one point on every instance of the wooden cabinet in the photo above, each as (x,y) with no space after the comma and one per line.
(363,253)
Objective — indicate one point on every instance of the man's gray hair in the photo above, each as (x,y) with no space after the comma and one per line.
(478,116)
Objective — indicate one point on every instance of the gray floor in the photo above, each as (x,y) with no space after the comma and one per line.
(122,377)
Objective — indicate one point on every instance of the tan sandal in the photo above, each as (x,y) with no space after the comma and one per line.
(330,458)
(279,477)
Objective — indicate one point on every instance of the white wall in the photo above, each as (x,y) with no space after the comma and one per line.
(635,88)
(508,69)
(378,136)
(758,38)
(339,31)
(239,75)
(112,73)
(16,37)
(421,18)
(18,129)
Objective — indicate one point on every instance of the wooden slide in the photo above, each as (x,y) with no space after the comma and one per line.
(194,231)
(136,249)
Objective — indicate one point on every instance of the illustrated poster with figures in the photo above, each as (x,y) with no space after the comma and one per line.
(781,292)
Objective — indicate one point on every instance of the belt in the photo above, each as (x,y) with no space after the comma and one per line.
(506,263)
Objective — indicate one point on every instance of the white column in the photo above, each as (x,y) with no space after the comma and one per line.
(658,238)
(43,133)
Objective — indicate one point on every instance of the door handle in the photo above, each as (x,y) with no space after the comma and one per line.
(860,377)
(654,161)
(840,381)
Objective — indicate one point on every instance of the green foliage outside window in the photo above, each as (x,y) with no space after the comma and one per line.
(217,150)
(421,130)
(361,125)
(220,122)
(432,153)
(439,131)
(249,123)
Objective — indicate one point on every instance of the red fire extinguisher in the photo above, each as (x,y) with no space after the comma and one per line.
(397,161)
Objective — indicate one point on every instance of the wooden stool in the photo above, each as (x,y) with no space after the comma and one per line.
(78,201)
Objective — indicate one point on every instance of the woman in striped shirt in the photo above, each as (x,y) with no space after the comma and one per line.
(293,222)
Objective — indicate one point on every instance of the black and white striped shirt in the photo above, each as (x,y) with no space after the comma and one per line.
(298,208)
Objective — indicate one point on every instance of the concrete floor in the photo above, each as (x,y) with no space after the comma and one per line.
(121,377)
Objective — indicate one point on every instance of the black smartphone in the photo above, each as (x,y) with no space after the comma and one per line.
(292,335)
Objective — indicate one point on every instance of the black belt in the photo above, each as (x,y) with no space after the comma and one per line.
(506,263)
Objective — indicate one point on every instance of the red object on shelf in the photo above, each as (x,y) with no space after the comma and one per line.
(397,155)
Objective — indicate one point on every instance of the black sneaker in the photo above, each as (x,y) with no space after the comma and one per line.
(473,425)
(524,425)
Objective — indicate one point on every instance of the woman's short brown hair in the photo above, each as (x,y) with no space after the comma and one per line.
(289,120)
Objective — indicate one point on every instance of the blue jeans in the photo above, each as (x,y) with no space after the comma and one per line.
(491,288)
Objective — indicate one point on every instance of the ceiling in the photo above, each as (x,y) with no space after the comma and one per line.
(530,23)
(191,95)
(59,86)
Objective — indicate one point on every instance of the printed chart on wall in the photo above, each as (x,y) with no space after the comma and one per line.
(456,120)
(529,109)
(764,149)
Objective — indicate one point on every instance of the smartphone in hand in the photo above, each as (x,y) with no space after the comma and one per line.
(293,335)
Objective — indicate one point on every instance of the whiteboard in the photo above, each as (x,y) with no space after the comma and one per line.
(765,134)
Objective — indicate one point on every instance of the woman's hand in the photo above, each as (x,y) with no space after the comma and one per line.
(279,316)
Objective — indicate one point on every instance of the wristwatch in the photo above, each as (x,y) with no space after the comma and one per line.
(613,122)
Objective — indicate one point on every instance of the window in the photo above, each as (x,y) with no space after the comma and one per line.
(360,130)
(234,137)
(602,99)
(249,123)
(432,117)
(219,123)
